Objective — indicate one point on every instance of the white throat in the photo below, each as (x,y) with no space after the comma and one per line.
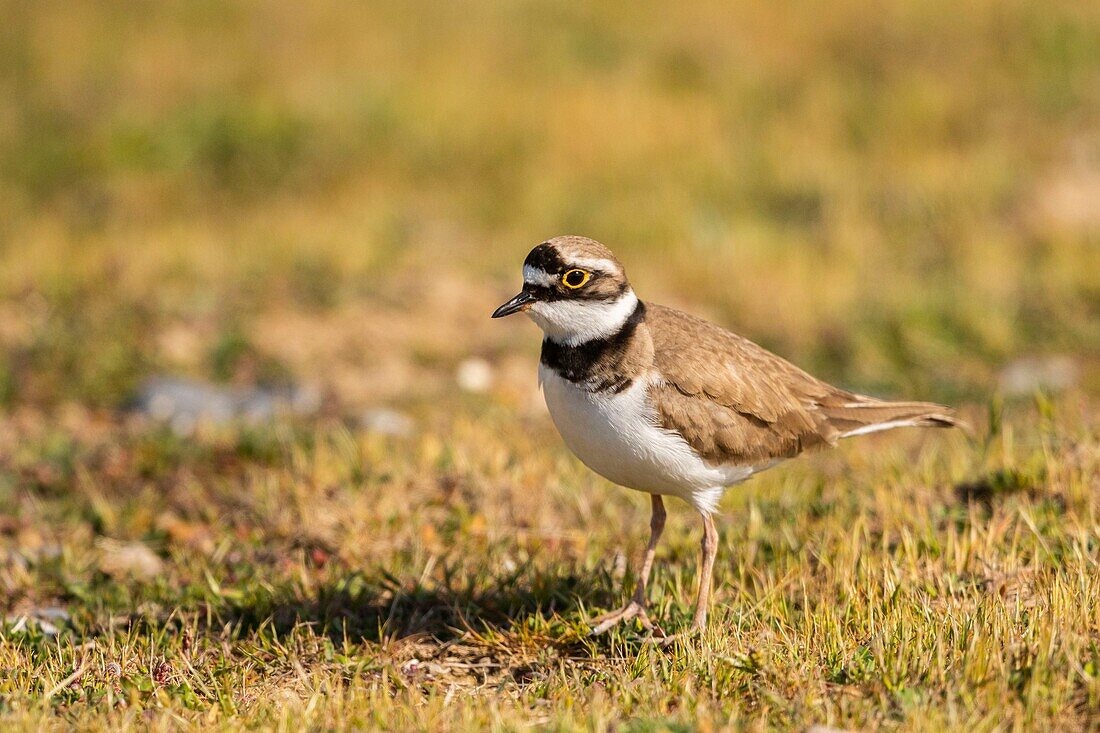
(574,322)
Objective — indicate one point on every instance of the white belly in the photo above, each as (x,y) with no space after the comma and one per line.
(618,436)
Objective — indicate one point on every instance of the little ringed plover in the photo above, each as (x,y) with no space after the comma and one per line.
(666,403)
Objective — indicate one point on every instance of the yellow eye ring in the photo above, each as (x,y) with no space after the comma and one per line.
(575,278)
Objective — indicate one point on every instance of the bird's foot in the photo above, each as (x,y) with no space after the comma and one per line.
(666,640)
(633,610)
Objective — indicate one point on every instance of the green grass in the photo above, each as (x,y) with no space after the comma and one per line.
(314,578)
(335,196)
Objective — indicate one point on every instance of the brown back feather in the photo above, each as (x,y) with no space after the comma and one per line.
(736,402)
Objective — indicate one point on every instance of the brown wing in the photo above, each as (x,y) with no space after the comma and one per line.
(736,402)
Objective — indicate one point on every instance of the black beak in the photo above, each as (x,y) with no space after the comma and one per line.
(515,305)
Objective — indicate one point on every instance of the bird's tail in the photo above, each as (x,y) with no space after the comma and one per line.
(867,415)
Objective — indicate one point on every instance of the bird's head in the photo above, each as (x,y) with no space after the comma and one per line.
(574,289)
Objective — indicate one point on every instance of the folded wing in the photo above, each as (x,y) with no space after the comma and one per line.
(736,402)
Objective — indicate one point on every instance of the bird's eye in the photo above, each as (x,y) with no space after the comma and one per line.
(574,279)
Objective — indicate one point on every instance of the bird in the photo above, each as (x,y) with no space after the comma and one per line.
(663,402)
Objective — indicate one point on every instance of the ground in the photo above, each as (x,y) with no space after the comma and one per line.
(265,462)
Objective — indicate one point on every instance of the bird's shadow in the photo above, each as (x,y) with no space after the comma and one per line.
(377,606)
(994,487)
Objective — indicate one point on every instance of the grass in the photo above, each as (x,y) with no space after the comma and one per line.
(336,196)
(311,577)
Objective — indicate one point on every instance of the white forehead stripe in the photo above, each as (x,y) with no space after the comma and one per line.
(537,276)
(592,263)
(574,322)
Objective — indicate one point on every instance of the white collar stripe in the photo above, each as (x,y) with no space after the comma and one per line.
(574,322)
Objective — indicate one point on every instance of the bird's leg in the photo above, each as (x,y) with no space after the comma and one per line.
(710,552)
(636,608)
(706,571)
(656,527)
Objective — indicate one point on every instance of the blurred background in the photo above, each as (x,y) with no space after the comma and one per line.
(249,386)
(237,207)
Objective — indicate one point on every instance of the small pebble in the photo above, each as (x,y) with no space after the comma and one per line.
(1025,376)
(387,422)
(474,375)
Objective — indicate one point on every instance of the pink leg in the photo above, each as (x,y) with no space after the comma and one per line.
(636,608)
(706,571)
